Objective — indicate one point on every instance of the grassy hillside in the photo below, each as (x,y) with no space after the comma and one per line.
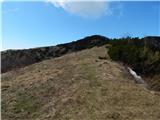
(76,86)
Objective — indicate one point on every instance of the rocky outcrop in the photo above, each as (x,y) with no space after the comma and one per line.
(12,59)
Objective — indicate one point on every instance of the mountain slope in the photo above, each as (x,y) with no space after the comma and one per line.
(77,86)
(12,59)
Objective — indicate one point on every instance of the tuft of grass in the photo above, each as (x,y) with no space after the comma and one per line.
(26,104)
(89,73)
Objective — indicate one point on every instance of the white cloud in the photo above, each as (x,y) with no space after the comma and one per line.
(1,1)
(89,9)
(10,10)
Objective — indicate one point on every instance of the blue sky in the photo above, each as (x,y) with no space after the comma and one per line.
(46,23)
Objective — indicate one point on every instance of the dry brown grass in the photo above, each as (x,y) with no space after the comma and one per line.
(77,86)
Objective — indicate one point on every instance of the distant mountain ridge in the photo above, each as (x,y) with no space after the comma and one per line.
(12,59)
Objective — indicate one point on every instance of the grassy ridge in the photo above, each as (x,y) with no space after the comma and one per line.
(77,86)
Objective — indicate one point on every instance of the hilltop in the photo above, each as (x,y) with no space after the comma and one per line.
(12,59)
